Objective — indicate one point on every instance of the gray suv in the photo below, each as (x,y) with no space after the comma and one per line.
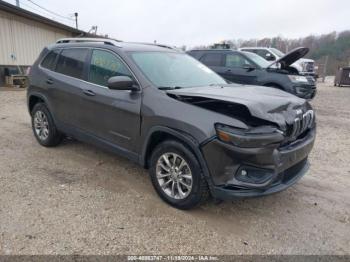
(198,135)
(250,69)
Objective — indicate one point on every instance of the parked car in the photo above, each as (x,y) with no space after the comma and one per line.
(250,69)
(303,66)
(157,106)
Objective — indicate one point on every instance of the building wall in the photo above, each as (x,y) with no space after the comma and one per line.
(24,39)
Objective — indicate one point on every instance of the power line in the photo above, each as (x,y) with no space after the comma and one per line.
(49,11)
(31,8)
(34,9)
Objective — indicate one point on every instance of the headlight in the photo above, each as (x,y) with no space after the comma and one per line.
(298,79)
(254,137)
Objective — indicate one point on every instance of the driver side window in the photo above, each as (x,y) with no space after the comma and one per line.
(105,65)
(235,60)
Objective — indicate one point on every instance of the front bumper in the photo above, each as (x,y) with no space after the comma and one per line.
(249,172)
(313,74)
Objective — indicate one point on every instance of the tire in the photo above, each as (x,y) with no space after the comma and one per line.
(199,191)
(43,126)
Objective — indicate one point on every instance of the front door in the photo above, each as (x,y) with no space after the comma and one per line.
(111,115)
(239,70)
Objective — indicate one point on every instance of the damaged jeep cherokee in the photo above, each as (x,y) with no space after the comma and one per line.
(157,106)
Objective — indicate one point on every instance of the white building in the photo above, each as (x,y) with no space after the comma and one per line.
(23,35)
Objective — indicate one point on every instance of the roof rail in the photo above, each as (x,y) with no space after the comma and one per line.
(160,45)
(105,41)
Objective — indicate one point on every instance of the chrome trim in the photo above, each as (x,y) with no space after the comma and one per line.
(119,135)
(88,40)
(302,122)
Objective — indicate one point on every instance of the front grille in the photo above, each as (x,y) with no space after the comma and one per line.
(309,67)
(301,123)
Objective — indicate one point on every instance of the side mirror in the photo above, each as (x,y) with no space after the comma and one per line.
(121,83)
(249,67)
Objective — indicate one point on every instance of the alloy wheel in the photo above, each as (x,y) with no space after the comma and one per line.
(41,125)
(174,175)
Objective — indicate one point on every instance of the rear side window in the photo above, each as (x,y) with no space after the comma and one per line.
(213,59)
(71,62)
(49,61)
(105,65)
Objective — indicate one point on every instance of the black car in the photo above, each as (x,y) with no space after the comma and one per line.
(250,69)
(161,108)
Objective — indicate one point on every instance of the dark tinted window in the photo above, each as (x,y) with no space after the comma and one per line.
(235,60)
(105,65)
(213,59)
(71,62)
(50,60)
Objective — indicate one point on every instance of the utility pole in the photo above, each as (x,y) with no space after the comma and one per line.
(17,3)
(76,19)
(325,69)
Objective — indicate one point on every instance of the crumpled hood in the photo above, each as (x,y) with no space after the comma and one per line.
(266,103)
(291,57)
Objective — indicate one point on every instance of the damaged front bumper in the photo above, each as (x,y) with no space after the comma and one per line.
(250,172)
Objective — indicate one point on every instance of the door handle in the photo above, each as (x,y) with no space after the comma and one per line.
(49,81)
(89,92)
(228,71)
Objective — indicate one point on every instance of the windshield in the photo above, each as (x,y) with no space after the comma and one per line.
(277,52)
(258,59)
(175,70)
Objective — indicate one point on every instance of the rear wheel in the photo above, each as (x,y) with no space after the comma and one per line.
(176,175)
(43,126)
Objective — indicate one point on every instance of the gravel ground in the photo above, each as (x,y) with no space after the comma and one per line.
(77,199)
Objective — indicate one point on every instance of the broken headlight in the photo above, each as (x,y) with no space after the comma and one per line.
(250,138)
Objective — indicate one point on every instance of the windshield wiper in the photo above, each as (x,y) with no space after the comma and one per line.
(169,87)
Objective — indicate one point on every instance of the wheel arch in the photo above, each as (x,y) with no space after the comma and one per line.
(35,98)
(159,134)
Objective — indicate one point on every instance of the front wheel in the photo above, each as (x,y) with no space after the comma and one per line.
(176,176)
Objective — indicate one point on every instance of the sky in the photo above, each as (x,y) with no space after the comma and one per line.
(200,22)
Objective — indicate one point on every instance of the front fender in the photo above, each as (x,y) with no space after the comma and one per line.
(187,139)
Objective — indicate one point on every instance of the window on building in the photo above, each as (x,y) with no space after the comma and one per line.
(214,59)
(71,62)
(49,61)
(105,65)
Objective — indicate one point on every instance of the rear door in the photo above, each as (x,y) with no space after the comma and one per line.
(236,71)
(111,115)
(214,60)
(64,84)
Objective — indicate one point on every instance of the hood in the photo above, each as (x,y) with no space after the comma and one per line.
(270,104)
(291,57)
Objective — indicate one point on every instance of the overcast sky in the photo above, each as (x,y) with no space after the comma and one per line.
(196,22)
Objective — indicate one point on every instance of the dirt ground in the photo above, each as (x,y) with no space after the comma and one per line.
(77,199)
